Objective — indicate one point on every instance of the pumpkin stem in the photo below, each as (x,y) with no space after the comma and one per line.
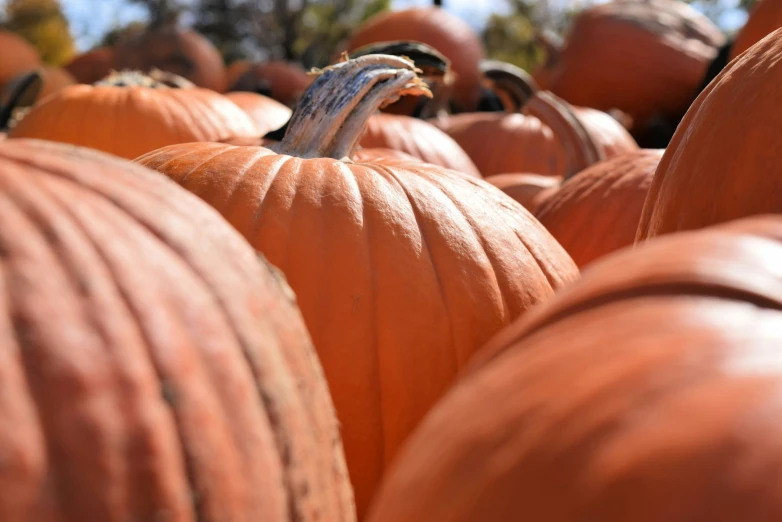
(333,112)
(155,79)
(513,85)
(21,92)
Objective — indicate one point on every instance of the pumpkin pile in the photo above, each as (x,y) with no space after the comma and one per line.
(412,285)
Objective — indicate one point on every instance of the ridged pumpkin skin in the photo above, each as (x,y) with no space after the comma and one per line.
(92,66)
(130,121)
(17,57)
(401,269)
(764,18)
(646,391)
(284,81)
(418,138)
(529,190)
(644,58)
(150,365)
(175,50)
(597,211)
(444,31)
(722,165)
(267,113)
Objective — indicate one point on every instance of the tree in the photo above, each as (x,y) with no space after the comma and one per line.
(42,23)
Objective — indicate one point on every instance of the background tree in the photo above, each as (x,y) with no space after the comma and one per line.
(42,23)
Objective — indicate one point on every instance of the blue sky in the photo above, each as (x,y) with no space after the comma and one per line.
(90,19)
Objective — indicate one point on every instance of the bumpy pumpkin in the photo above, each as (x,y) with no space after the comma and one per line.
(722,165)
(267,113)
(597,211)
(527,189)
(648,390)
(401,269)
(175,50)
(92,66)
(130,114)
(644,58)
(434,26)
(150,365)
(279,80)
(17,56)
(764,18)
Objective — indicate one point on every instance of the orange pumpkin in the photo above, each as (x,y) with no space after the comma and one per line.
(175,50)
(149,361)
(648,390)
(55,79)
(418,138)
(529,190)
(445,32)
(130,114)
(17,56)
(644,58)
(267,113)
(597,211)
(92,66)
(721,165)
(401,269)
(765,17)
(279,80)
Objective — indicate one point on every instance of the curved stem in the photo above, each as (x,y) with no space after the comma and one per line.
(22,92)
(580,149)
(333,112)
(513,85)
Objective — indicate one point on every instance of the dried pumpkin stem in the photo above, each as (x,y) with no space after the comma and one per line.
(21,92)
(333,112)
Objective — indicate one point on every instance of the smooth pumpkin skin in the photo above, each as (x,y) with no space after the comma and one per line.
(644,58)
(418,138)
(529,190)
(18,56)
(721,165)
(92,66)
(645,391)
(130,121)
(612,138)
(286,81)
(148,360)
(175,50)
(764,18)
(597,211)
(436,27)
(267,113)
(401,269)
(55,79)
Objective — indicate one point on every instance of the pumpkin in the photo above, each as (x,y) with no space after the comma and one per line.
(648,390)
(92,66)
(644,58)
(434,26)
(129,114)
(18,56)
(55,79)
(529,190)
(765,17)
(597,211)
(279,80)
(18,95)
(175,50)
(418,138)
(150,363)
(401,269)
(267,113)
(721,165)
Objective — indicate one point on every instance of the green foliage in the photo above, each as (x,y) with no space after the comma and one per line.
(42,23)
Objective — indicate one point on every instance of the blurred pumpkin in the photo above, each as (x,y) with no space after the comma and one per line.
(129,114)
(722,162)
(597,211)
(647,390)
(92,66)
(175,50)
(267,113)
(401,268)
(765,17)
(18,56)
(279,80)
(150,361)
(55,79)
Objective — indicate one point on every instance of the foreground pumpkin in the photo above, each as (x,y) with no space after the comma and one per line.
(765,17)
(17,56)
(149,361)
(648,390)
(401,269)
(644,58)
(130,114)
(723,165)
(597,211)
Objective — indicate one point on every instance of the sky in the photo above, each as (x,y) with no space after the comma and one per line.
(90,19)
